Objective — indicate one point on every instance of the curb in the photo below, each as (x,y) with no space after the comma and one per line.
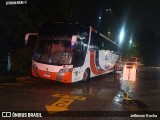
(23,78)
(7,79)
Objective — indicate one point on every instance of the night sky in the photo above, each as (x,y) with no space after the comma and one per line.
(137,14)
(141,19)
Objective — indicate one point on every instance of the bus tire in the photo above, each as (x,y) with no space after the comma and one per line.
(86,75)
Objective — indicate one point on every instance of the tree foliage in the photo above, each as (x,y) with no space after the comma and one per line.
(21,19)
(148,46)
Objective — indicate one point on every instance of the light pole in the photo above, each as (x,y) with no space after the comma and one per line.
(109,12)
(99,21)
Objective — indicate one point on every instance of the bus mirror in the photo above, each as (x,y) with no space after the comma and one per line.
(28,35)
(74,39)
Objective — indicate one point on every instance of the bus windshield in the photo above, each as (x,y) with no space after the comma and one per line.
(54,50)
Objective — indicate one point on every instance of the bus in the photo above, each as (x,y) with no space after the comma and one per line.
(72,52)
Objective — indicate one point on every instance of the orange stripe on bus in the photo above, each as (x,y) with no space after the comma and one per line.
(93,64)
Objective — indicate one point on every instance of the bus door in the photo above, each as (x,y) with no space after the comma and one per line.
(79,53)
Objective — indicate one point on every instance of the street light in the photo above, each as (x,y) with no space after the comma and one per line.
(121,35)
(99,22)
(130,41)
(109,10)
(109,33)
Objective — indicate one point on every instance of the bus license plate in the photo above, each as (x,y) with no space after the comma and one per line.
(46,75)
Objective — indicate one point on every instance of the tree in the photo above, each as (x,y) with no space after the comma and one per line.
(21,19)
(147,41)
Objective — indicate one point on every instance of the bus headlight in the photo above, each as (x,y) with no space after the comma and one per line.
(66,70)
(34,65)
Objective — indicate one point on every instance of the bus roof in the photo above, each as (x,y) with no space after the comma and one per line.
(59,28)
(62,28)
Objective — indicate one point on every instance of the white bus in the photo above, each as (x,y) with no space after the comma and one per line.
(68,53)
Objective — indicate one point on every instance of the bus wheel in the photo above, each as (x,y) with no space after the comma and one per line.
(86,75)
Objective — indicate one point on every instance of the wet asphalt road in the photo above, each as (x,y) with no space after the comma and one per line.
(100,94)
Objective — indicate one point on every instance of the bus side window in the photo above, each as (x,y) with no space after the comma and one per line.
(103,43)
(84,34)
(106,45)
(77,55)
(115,48)
(95,42)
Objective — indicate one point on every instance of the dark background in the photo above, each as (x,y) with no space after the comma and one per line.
(140,19)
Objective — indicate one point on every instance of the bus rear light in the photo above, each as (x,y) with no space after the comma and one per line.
(66,70)
(129,67)
(134,66)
